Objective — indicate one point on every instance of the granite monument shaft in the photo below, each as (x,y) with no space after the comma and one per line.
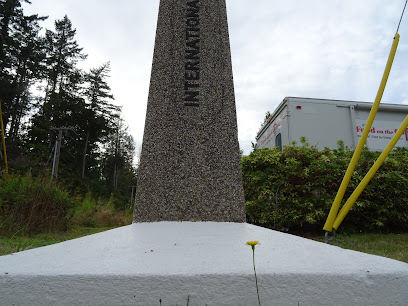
(190,162)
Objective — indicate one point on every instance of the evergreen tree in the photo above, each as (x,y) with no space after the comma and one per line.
(63,105)
(29,67)
(118,169)
(95,150)
(21,57)
(101,114)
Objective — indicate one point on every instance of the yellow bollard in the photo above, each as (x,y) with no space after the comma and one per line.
(328,226)
(4,141)
(354,196)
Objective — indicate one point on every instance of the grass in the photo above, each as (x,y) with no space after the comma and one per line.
(17,244)
(393,246)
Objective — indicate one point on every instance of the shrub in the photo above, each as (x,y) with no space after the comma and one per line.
(32,205)
(98,213)
(294,189)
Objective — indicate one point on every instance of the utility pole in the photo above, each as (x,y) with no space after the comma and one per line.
(57,154)
(54,159)
(3,139)
(115,167)
(57,150)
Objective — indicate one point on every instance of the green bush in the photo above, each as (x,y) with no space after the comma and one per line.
(32,205)
(294,189)
(99,213)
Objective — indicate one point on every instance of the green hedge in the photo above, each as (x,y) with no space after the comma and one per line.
(294,189)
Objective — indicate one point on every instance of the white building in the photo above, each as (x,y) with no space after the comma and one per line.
(324,122)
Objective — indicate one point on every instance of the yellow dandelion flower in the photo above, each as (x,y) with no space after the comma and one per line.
(252,243)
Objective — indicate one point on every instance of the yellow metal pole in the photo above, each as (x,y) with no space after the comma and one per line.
(3,138)
(354,196)
(328,226)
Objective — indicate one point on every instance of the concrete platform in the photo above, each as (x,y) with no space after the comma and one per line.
(142,263)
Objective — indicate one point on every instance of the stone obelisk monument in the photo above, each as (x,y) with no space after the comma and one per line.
(190,163)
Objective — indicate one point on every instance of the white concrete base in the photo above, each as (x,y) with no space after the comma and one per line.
(142,263)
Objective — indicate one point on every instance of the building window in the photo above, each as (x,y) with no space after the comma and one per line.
(278,141)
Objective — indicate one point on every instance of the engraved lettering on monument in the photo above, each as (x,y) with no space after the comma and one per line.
(190,166)
(192,73)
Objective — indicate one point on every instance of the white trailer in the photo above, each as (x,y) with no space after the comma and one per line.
(324,122)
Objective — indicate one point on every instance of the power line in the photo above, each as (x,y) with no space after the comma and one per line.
(402,15)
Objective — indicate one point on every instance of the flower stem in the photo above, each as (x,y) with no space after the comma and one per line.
(256,279)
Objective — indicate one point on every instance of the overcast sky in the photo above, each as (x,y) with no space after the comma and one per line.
(334,49)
